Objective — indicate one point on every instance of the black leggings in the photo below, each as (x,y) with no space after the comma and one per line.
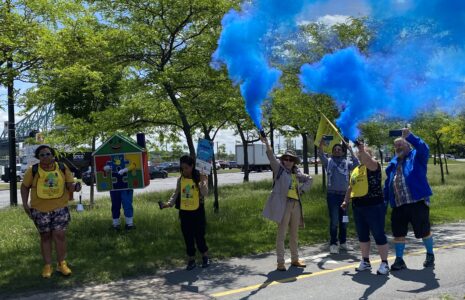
(193,224)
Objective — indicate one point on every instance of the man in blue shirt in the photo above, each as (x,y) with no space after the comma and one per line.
(407,190)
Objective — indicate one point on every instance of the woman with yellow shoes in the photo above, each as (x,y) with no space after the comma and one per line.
(49,184)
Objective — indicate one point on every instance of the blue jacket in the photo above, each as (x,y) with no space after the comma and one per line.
(414,169)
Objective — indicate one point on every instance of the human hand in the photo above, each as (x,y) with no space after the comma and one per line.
(122,171)
(344,204)
(77,187)
(405,132)
(264,140)
(107,168)
(27,209)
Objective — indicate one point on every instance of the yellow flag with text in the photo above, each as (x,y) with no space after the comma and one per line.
(328,130)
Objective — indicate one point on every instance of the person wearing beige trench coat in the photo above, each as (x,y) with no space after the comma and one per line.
(284,205)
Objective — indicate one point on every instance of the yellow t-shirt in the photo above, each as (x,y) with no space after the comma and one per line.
(359,182)
(46,205)
(292,193)
(190,195)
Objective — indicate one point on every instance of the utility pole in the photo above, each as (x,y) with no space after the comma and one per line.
(11,133)
(11,124)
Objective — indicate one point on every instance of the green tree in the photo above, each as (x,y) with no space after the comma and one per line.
(430,126)
(169,44)
(79,77)
(24,34)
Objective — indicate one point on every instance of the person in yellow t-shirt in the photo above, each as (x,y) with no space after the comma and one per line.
(49,186)
(191,189)
(369,208)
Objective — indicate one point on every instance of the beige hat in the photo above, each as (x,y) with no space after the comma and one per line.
(291,153)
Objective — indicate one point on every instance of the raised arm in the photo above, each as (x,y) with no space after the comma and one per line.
(420,146)
(366,159)
(355,162)
(269,152)
(322,156)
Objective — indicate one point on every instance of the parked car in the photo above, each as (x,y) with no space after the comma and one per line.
(217,165)
(312,160)
(233,164)
(170,167)
(19,174)
(224,164)
(156,172)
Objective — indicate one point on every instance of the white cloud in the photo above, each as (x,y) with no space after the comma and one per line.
(331,20)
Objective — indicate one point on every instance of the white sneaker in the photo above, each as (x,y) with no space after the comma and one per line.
(363,266)
(383,269)
(345,247)
(334,249)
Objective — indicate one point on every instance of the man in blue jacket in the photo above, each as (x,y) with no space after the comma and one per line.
(407,190)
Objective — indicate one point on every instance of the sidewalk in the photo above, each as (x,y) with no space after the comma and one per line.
(254,275)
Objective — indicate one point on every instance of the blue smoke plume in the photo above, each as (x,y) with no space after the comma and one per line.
(242,48)
(414,64)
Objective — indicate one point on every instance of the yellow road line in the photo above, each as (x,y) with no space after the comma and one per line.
(266,284)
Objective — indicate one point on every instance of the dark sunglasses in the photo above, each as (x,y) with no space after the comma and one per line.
(288,159)
(46,154)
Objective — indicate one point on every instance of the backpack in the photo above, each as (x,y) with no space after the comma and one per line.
(35,169)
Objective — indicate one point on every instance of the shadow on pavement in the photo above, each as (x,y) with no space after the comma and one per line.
(278,276)
(425,276)
(217,274)
(372,281)
(346,257)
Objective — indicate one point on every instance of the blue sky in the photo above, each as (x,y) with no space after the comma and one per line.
(356,8)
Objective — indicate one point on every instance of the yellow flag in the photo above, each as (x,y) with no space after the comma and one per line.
(326,128)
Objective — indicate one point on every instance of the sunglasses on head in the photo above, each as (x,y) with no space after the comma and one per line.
(46,154)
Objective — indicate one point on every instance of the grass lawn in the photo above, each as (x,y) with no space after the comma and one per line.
(6,186)
(98,255)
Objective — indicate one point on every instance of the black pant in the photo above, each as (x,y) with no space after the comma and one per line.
(193,224)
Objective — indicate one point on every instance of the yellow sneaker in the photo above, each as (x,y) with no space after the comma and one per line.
(47,271)
(62,267)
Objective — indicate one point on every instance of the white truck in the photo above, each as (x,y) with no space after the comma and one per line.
(258,161)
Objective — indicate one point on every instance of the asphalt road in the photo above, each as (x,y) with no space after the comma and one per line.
(325,277)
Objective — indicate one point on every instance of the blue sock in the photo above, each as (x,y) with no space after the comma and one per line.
(400,249)
(428,244)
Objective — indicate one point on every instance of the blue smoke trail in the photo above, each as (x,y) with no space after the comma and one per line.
(242,49)
(414,63)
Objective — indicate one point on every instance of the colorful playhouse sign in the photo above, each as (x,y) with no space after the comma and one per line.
(116,154)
